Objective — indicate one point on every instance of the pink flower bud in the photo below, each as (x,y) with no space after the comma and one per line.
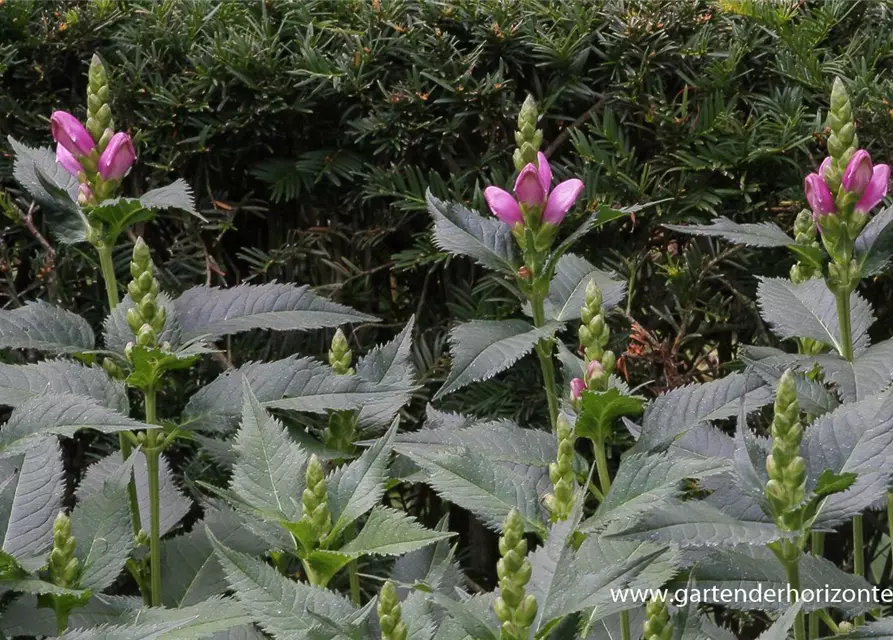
(594,369)
(503,205)
(118,157)
(876,188)
(578,386)
(84,194)
(544,170)
(818,195)
(71,134)
(826,163)
(561,200)
(858,172)
(68,161)
(528,186)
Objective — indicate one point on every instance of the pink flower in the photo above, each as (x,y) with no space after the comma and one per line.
(503,205)
(85,194)
(818,195)
(71,134)
(68,161)
(532,188)
(826,163)
(876,188)
(118,157)
(578,386)
(529,187)
(594,368)
(858,172)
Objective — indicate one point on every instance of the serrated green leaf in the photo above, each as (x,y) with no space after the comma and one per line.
(433,567)
(214,312)
(292,384)
(488,490)
(391,533)
(482,348)
(63,415)
(388,366)
(190,572)
(173,504)
(874,246)
(779,629)
(269,469)
(357,487)
(809,310)
(101,526)
(697,524)
(19,383)
(281,606)
(645,480)
(567,291)
(474,615)
(459,231)
(669,416)
(874,630)
(830,482)
(121,213)
(30,499)
(600,409)
(45,327)
(762,234)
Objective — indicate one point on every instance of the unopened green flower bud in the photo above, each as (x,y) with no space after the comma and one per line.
(786,487)
(842,141)
(515,608)
(561,472)
(594,334)
(315,499)
(657,620)
(143,290)
(390,613)
(63,565)
(340,355)
(527,137)
(146,337)
(142,538)
(99,114)
(112,368)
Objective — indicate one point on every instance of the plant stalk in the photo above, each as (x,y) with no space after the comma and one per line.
(544,353)
(842,294)
(353,571)
(818,550)
(107,267)
(792,568)
(604,479)
(153,451)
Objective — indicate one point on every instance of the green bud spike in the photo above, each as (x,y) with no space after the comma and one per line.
(63,565)
(561,472)
(143,290)
(786,469)
(390,613)
(99,114)
(657,620)
(515,608)
(112,368)
(340,355)
(594,334)
(527,137)
(315,499)
(146,337)
(843,141)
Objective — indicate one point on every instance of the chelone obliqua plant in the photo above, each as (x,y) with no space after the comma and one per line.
(307,536)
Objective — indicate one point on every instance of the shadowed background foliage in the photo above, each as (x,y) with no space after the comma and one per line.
(310,130)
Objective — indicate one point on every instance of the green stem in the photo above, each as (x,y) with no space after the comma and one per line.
(828,620)
(858,555)
(153,451)
(625,633)
(601,464)
(792,568)
(544,353)
(61,621)
(107,266)
(890,522)
(353,570)
(818,550)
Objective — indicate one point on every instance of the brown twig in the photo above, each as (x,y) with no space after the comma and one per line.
(562,137)
(50,266)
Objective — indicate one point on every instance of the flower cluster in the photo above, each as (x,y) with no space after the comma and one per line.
(863,181)
(94,153)
(534,199)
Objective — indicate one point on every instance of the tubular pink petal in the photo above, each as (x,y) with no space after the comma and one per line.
(68,161)
(561,200)
(503,205)
(876,189)
(825,164)
(71,134)
(578,386)
(118,157)
(544,170)
(528,188)
(858,172)
(818,195)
